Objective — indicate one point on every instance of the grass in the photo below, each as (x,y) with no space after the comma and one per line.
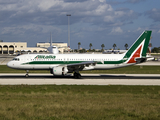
(52,102)
(80,102)
(5,69)
(125,70)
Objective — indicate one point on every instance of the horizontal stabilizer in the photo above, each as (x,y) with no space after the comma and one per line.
(140,60)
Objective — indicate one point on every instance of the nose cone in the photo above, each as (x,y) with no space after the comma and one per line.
(9,64)
(13,64)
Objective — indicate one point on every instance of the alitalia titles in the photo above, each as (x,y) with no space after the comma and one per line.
(45,57)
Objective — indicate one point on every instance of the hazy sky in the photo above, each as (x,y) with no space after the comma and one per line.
(92,21)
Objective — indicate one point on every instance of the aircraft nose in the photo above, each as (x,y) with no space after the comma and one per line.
(10,64)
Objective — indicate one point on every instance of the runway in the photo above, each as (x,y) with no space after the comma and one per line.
(87,79)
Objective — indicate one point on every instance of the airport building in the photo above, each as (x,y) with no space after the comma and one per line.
(21,47)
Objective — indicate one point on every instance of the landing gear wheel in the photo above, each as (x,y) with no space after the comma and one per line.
(77,75)
(27,73)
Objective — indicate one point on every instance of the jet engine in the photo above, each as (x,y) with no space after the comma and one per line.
(60,70)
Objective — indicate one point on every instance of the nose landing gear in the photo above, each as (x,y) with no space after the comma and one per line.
(27,71)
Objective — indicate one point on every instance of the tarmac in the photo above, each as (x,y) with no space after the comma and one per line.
(4,59)
(87,79)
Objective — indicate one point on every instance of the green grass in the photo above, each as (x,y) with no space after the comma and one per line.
(52,102)
(5,69)
(156,54)
(125,70)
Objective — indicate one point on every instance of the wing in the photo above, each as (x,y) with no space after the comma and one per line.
(83,63)
(81,66)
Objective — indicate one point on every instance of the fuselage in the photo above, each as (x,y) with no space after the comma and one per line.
(48,61)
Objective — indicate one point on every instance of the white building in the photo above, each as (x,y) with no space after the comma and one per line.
(13,47)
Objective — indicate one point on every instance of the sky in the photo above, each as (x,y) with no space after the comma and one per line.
(98,22)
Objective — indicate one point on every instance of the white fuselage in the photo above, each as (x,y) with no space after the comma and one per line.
(48,61)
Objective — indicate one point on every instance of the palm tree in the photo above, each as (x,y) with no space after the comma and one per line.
(126,45)
(90,45)
(102,46)
(79,45)
(114,45)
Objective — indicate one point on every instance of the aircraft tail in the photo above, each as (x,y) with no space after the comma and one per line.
(137,52)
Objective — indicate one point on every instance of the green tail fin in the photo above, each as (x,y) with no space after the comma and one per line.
(140,45)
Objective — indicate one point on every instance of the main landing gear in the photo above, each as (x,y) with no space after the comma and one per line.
(27,71)
(77,75)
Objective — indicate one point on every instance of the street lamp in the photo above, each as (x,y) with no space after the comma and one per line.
(68,31)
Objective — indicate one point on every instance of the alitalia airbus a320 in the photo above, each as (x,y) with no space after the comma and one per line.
(61,64)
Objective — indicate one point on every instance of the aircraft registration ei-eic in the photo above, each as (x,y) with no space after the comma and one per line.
(61,64)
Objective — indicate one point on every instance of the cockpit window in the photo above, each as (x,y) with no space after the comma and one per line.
(16,59)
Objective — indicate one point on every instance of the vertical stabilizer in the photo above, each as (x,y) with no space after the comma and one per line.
(139,47)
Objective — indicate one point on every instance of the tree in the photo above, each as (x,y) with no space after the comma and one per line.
(102,46)
(82,50)
(90,45)
(155,50)
(114,45)
(79,45)
(126,45)
(75,50)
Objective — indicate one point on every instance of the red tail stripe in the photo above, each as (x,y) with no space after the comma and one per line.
(136,54)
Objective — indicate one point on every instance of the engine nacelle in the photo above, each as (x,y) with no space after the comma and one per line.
(59,70)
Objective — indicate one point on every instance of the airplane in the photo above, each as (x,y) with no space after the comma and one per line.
(61,64)
(52,49)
